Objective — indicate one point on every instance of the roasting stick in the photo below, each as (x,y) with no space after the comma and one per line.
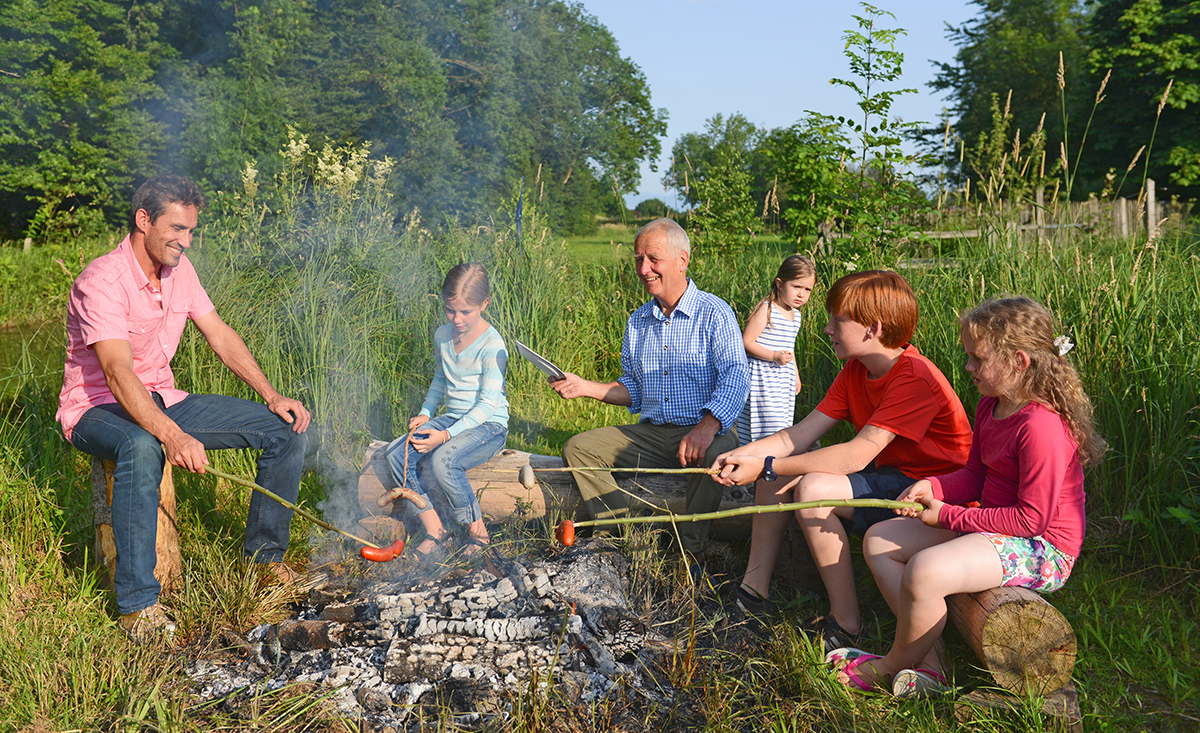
(392,550)
(566,530)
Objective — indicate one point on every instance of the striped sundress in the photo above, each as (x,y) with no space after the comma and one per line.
(771,405)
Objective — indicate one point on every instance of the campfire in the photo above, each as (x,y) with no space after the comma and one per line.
(398,649)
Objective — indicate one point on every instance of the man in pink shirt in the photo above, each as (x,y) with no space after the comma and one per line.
(125,316)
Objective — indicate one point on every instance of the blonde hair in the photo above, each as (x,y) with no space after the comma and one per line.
(794,267)
(468,281)
(1007,325)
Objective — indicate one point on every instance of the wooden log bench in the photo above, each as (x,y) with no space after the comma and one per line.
(169,568)
(1027,647)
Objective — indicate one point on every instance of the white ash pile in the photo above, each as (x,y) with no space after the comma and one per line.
(392,648)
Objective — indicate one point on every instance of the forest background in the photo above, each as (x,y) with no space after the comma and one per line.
(470,98)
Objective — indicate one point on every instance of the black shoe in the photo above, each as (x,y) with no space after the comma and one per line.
(832,636)
(751,603)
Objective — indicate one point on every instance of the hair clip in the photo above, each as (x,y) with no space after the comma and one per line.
(1064,345)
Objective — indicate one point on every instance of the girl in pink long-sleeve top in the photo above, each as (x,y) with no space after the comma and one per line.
(1014,515)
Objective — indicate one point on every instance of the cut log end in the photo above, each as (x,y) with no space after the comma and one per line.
(1025,643)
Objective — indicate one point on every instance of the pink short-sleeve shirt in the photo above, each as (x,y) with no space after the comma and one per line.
(113,299)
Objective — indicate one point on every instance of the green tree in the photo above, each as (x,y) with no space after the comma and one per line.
(75,76)
(696,156)
(1148,44)
(809,161)
(1010,51)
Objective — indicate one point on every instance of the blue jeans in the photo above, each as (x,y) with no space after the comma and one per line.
(106,431)
(449,463)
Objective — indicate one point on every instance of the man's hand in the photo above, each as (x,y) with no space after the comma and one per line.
(184,451)
(292,412)
(739,469)
(695,444)
(570,386)
(922,493)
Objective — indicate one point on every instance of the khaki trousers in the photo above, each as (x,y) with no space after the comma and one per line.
(644,445)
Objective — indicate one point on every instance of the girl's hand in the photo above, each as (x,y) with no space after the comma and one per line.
(782,358)
(428,440)
(417,422)
(922,493)
(797,371)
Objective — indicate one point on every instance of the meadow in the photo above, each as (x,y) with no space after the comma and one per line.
(339,304)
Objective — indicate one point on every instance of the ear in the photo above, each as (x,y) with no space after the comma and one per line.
(1021,360)
(141,218)
(875,330)
(483,307)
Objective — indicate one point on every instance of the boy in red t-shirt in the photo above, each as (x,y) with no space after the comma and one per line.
(910,424)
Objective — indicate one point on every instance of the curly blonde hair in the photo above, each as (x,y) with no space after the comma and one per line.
(1018,323)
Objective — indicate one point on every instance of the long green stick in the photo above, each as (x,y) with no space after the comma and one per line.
(319,522)
(610,469)
(756,509)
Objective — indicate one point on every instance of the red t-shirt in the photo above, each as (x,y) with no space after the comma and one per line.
(914,402)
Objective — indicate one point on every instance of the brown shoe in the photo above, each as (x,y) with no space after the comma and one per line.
(147,625)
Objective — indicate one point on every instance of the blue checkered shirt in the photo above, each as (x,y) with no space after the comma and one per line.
(678,367)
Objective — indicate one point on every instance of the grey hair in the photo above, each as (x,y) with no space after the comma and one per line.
(677,239)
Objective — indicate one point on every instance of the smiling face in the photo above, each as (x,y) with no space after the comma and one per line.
(795,293)
(164,240)
(993,375)
(661,268)
(462,316)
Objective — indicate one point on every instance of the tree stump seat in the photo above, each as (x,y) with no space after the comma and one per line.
(170,566)
(1023,641)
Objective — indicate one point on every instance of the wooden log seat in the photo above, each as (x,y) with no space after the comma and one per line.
(166,545)
(1023,641)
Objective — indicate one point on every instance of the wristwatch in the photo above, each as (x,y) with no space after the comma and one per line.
(769,472)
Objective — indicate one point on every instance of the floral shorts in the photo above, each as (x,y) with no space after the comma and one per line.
(1031,562)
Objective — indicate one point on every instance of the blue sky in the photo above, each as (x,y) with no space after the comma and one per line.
(771,60)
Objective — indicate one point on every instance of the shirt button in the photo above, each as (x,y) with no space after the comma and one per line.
(664,372)
(666,400)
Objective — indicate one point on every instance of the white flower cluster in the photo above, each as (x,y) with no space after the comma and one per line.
(1064,345)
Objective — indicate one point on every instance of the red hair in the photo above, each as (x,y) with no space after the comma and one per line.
(876,295)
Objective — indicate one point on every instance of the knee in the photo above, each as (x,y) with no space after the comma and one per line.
(922,574)
(813,487)
(141,449)
(576,449)
(874,545)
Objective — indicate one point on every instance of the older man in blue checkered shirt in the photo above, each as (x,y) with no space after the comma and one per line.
(683,369)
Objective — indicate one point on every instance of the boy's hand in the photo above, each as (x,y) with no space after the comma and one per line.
(737,470)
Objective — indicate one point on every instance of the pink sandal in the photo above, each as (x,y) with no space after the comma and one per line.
(854,658)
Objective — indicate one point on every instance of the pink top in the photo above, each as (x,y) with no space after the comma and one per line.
(1025,473)
(113,299)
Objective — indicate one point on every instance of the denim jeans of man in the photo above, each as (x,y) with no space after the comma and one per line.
(218,422)
(448,463)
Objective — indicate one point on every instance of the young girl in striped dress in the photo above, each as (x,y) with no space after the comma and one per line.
(770,337)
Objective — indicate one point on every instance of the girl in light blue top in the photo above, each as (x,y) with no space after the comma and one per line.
(469,381)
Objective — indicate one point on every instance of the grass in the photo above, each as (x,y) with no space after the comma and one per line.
(340,309)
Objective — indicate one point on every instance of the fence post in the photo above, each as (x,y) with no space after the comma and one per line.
(1151,206)
(28,245)
(1121,205)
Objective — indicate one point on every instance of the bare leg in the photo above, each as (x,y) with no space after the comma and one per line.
(766,534)
(435,531)
(932,564)
(830,545)
(477,531)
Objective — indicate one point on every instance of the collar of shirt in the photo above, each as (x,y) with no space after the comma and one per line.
(686,306)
